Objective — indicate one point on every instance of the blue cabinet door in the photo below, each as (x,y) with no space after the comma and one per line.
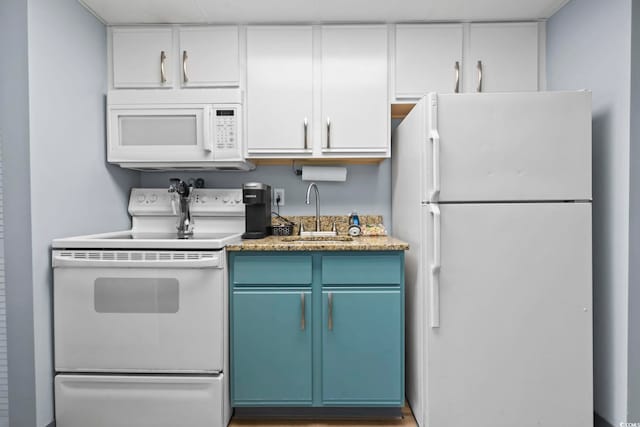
(362,347)
(271,348)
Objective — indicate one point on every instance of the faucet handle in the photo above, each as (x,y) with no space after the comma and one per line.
(333,228)
(301,229)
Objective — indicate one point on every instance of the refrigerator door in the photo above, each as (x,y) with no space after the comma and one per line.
(508,147)
(509,334)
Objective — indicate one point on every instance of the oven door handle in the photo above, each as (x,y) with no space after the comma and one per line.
(209,262)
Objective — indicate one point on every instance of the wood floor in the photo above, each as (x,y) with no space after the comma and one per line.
(407,420)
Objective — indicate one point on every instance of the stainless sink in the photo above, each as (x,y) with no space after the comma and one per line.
(317,239)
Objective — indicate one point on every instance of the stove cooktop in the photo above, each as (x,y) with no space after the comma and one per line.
(168,236)
(136,240)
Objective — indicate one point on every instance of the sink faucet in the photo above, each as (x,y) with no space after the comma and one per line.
(183,190)
(307,201)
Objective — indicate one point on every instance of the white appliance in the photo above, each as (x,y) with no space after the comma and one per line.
(493,194)
(199,129)
(140,317)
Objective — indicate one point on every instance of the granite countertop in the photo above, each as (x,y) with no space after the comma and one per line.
(289,243)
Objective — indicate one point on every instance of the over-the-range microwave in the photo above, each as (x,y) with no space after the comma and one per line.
(185,129)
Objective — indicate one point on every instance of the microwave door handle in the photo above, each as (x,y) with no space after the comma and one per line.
(208,130)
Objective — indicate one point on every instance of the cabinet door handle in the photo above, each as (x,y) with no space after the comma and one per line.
(479,76)
(163,74)
(457,68)
(184,66)
(306,125)
(330,325)
(328,132)
(302,311)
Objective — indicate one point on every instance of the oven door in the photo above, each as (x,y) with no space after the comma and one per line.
(124,311)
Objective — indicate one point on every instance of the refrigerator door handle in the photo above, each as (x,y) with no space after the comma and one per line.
(434,136)
(434,300)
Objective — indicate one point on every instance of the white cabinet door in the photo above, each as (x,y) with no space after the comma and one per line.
(504,55)
(355,107)
(209,56)
(142,57)
(428,59)
(514,345)
(279,89)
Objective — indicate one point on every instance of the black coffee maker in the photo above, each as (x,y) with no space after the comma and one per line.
(256,197)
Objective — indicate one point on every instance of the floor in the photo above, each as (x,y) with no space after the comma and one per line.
(407,420)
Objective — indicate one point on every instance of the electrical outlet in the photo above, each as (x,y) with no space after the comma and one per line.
(278,192)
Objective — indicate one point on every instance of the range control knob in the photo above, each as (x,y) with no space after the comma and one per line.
(226,199)
(154,198)
(140,198)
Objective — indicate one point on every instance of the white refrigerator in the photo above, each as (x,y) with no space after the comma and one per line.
(493,194)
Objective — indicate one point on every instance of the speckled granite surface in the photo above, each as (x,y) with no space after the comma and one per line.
(278,243)
(326,222)
(343,242)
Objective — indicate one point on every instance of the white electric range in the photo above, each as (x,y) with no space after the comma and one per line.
(140,316)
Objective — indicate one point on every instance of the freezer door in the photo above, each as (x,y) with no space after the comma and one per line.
(508,146)
(140,401)
(512,344)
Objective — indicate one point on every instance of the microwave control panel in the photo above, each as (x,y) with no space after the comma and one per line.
(226,128)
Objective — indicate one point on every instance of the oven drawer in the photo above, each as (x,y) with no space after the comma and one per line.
(139,319)
(140,401)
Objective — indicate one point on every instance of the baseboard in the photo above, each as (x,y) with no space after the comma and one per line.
(315,413)
(598,421)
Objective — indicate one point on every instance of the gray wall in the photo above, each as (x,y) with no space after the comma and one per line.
(72,189)
(634,224)
(56,180)
(14,136)
(588,46)
(367,189)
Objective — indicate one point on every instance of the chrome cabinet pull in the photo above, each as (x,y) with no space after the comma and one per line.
(328,132)
(457,68)
(479,76)
(330,311)
(163,74)
(302,311)
(184,66)
(306,125)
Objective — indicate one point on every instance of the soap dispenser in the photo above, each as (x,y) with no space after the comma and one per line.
(354,224)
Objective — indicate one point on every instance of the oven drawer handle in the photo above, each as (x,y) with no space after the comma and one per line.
(63,261)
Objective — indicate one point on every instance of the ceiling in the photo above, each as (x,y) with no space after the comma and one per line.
(311,11)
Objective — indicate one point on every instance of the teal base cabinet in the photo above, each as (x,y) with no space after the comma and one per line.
(263,372)
(361,348)
(317,329)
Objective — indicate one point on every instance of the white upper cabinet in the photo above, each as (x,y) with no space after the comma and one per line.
(142,57)
(428,59)
(209,56)
(502,57)
(280,90)
(499,57)
(175,57)
(355,105)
